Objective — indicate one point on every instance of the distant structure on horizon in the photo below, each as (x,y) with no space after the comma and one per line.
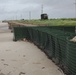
(44,16)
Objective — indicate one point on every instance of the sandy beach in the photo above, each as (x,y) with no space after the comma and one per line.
(23,58)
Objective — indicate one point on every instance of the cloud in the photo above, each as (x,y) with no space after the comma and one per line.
(54,8)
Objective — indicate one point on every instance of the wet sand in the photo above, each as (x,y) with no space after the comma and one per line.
(23,58)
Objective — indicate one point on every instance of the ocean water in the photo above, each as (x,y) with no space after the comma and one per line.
(3,27)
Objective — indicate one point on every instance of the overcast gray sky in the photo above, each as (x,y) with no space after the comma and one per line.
(17,9)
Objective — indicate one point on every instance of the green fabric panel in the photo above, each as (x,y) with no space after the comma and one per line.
(50,46)
(71,58)
(20,33)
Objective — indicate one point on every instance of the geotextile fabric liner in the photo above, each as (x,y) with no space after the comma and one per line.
(55,42)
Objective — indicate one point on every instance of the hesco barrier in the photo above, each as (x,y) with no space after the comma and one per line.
(55,42)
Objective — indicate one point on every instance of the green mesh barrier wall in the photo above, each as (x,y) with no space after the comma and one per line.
(55,42)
